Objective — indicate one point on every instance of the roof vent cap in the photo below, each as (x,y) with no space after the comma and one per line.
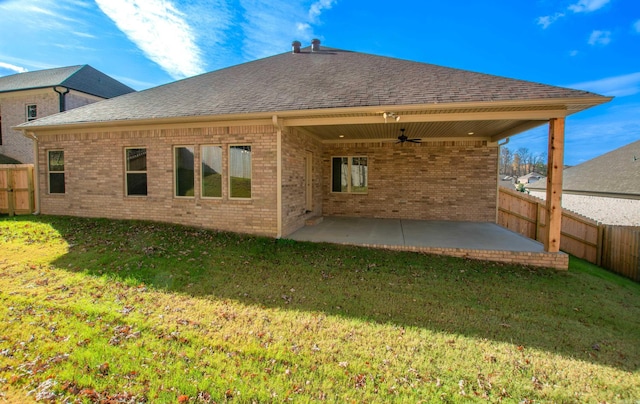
(295,46)
(315,45)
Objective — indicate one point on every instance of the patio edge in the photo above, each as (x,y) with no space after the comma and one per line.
(558,261)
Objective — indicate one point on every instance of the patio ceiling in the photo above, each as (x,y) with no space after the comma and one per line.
(425,130)
(481,121)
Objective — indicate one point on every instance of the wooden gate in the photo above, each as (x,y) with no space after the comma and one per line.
(16,189)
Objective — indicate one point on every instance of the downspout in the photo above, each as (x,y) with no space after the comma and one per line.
(277,123)
(61,98)
(506,141)
(36,171)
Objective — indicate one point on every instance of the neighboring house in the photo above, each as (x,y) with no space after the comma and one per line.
(27,96)
(529,178)
(614,175)
(506,181)
(264,146)
(605,188)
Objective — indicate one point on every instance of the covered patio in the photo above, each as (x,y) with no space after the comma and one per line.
(473,240)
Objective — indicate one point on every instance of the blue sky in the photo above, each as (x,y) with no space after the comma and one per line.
(588,44)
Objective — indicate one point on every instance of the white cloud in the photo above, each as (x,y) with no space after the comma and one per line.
(587,6)
(582,6)
(636,26)
(160,31)
(316,8)
(271,25)
(549,19)
(50,15)
(574,53)
(13,68)
(598,37)
(617,86)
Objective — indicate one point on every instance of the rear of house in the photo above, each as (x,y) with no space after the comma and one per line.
(264,146)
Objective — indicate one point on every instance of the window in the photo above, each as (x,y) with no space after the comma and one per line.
(184,170)
(211,171)
(32,112)
(240,171)
(56,171)
(350,174)
(136,172)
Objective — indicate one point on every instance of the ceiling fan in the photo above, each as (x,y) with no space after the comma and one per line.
(403,138)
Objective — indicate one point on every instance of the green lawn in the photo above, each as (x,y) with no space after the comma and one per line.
(99,310)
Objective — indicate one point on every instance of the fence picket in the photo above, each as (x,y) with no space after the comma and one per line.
(616,248)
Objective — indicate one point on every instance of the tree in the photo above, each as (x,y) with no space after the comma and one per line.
(506,161)
(521,162)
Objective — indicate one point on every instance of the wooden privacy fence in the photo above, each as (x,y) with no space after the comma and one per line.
(16,189)
(616,248)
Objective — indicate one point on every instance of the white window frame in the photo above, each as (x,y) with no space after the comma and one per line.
(175,171)
(127,172)
(229,172)
(49,172)
(28,109)
(349,176)
(222,174)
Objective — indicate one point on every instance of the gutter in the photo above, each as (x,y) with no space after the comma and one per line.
(265,117)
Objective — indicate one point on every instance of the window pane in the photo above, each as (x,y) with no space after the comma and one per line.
(137,184)
(184,171)
(240,171)
(136,159)
(56,183)
(56,160)
(339,174)
(211,171)
(32,112)
(359,174)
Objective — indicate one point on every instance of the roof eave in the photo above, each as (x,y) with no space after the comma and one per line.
(561,107)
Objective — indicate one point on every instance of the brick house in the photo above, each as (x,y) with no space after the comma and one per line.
(264,146)
(27,96)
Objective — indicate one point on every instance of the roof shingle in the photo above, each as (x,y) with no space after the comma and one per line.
(330,78)
(82,78)
(616,173)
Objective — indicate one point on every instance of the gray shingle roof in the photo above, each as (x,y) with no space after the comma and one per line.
(82,78)
(330,78)
(616,173)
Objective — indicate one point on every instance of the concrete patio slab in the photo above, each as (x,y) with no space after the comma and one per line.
(484,241)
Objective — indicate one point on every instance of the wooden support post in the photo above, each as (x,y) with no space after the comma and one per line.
(554,184)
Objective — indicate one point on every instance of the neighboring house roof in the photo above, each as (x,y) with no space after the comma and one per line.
(614,174)
(343,84)
(83,78)
(506,181)
(529,178)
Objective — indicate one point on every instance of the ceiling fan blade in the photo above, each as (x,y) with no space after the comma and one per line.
(414,140)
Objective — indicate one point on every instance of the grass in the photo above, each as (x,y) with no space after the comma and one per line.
(97,310)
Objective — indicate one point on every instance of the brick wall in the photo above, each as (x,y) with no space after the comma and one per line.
(94,174)
(294,148)
(13,112)
(452,180)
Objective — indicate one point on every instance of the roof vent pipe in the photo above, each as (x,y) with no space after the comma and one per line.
(315,45)
(295,46)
